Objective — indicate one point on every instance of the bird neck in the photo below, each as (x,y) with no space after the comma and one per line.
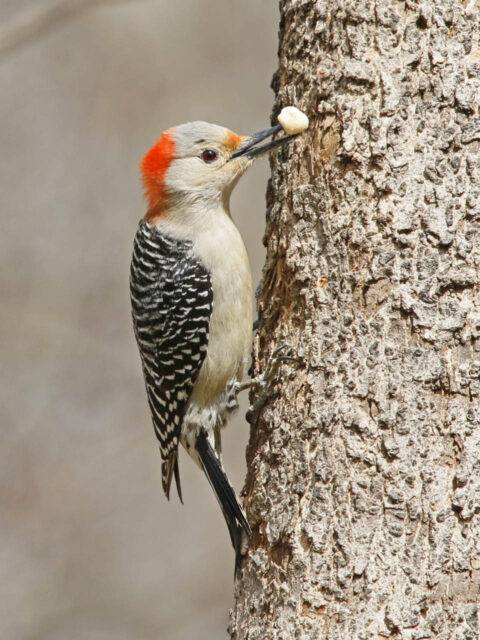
(187,220)
(189,207)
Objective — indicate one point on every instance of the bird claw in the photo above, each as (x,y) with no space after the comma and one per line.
(262,381)
(275,360)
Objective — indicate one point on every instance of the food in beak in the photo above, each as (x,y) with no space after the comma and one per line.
(293,120)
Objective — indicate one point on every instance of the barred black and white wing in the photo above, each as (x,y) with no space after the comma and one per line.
(172,300)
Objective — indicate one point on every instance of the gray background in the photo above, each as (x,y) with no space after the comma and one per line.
(89,546)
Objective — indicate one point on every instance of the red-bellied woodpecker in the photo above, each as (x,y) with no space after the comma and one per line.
(191,293)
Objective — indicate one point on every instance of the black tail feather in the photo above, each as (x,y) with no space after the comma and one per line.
(232,511)
(170,469)
(177,479)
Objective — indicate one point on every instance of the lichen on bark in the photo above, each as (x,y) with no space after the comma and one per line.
(363,486)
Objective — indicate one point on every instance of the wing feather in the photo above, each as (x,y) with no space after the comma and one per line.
(172,301)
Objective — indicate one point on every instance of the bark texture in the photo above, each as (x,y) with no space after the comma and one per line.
(363,489)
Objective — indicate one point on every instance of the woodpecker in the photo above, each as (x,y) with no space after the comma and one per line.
(192,298)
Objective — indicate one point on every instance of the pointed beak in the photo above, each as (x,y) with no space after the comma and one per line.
(249,148)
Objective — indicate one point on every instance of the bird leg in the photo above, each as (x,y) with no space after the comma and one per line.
(262,381)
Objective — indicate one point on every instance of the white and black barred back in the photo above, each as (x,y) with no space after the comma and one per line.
(172,301)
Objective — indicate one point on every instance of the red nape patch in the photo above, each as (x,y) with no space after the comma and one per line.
(153,167)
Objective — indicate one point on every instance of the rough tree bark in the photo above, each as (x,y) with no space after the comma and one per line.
(363,486)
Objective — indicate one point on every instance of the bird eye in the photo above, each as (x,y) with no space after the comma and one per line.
(209,155)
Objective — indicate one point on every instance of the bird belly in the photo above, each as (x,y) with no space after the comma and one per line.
(210,418)
(230,336)
(230,329)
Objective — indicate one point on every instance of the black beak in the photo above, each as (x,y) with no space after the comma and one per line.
(249,148)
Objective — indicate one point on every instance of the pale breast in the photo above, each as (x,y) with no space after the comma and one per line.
(223,253)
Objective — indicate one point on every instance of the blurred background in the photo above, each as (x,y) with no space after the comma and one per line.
(90,548)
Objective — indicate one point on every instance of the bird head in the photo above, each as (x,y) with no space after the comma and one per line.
(198,162)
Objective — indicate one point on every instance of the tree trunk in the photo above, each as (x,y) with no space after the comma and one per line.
(363,488)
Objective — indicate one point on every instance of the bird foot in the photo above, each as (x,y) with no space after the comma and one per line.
(262,381)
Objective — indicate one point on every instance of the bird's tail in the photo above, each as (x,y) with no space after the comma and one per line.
(233,513)
(169,469)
